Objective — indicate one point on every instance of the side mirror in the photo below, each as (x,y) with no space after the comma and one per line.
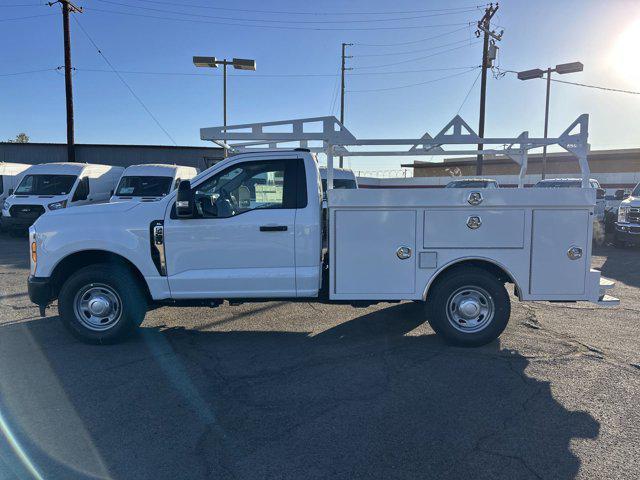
(111,192)
(10,191)
(184,200)
(625,196)
(600,193)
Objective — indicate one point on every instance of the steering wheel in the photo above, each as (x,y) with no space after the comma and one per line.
(226,204)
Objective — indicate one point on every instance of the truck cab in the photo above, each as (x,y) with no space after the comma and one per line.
(627,230)
(55,186)
(473,183)
(150,182)
(577,183)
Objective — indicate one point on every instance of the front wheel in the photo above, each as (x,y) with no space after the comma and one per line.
(102,303)
(468,307)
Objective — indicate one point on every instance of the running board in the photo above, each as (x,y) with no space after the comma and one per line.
(606,284)
(608,301)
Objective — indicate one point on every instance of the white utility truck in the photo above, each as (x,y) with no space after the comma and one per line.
(57,186)
(150,182)
(10,176)
(628,221)
(250,229)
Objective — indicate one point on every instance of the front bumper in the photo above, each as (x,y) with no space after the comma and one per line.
(40,290)
(628,232)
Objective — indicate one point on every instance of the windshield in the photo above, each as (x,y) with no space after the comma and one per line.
(46,185)
(136,186)
(467,184)
(340,184)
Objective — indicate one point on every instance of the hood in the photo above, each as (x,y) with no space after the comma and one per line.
(631,202)
(112,214)
(94,209)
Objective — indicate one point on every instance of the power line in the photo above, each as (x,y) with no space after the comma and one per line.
(416,59)
(413,41)
(468,93)
(412,84)
(211,7)
(17,5)
(212,75)
(276,27)
(502,73)
(13,74)
(27,17)
(218,17)
(386,54)
(272,75)
(124,82)
(597,87)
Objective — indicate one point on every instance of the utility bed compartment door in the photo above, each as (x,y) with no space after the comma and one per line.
(499,228)
(366,245)
(554,233)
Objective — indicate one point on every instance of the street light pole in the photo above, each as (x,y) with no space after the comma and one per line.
(546,124)
(538,73)
(238,64)
(224,100)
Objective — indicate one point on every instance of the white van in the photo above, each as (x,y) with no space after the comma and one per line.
(53,186)
(343,179)
(150,182)
(10,176)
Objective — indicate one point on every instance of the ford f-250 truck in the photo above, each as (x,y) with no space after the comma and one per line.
(250,229)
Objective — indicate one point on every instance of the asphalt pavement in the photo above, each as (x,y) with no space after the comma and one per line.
(308,391)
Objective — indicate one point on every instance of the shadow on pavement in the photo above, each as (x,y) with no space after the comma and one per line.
(362,400)
(14,252)
(621,264)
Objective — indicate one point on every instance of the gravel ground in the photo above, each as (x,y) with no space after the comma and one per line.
(305,391)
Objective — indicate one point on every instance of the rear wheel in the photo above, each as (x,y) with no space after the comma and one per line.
(102,303)
(468,307)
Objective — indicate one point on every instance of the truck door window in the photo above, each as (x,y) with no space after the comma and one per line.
(245,187)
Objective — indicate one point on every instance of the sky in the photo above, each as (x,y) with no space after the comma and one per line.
(414,63)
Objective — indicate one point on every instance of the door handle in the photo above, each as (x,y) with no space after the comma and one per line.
(273,228)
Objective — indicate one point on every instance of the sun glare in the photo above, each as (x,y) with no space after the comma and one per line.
(625,56)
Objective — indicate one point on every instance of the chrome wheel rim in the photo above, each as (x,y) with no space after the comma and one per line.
(98,307)
(470,309)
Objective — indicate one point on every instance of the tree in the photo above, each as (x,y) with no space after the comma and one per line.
(20,138)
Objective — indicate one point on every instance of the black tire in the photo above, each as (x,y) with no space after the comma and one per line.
(455,285)
(117,282)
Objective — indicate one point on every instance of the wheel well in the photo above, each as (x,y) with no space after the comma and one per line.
(499,272)
(78,260)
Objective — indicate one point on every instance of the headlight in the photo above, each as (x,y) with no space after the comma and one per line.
(622,214)
(57,205)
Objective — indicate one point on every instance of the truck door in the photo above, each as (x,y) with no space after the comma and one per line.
(240,242)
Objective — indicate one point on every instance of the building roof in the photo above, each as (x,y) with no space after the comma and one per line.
(111,145)
(533,158)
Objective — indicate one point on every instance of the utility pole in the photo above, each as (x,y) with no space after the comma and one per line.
(343,69)
(484,25)
(68,7)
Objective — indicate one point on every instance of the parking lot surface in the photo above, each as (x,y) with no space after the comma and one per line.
(305,391)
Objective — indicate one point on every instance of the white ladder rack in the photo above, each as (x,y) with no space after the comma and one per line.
(327,135)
